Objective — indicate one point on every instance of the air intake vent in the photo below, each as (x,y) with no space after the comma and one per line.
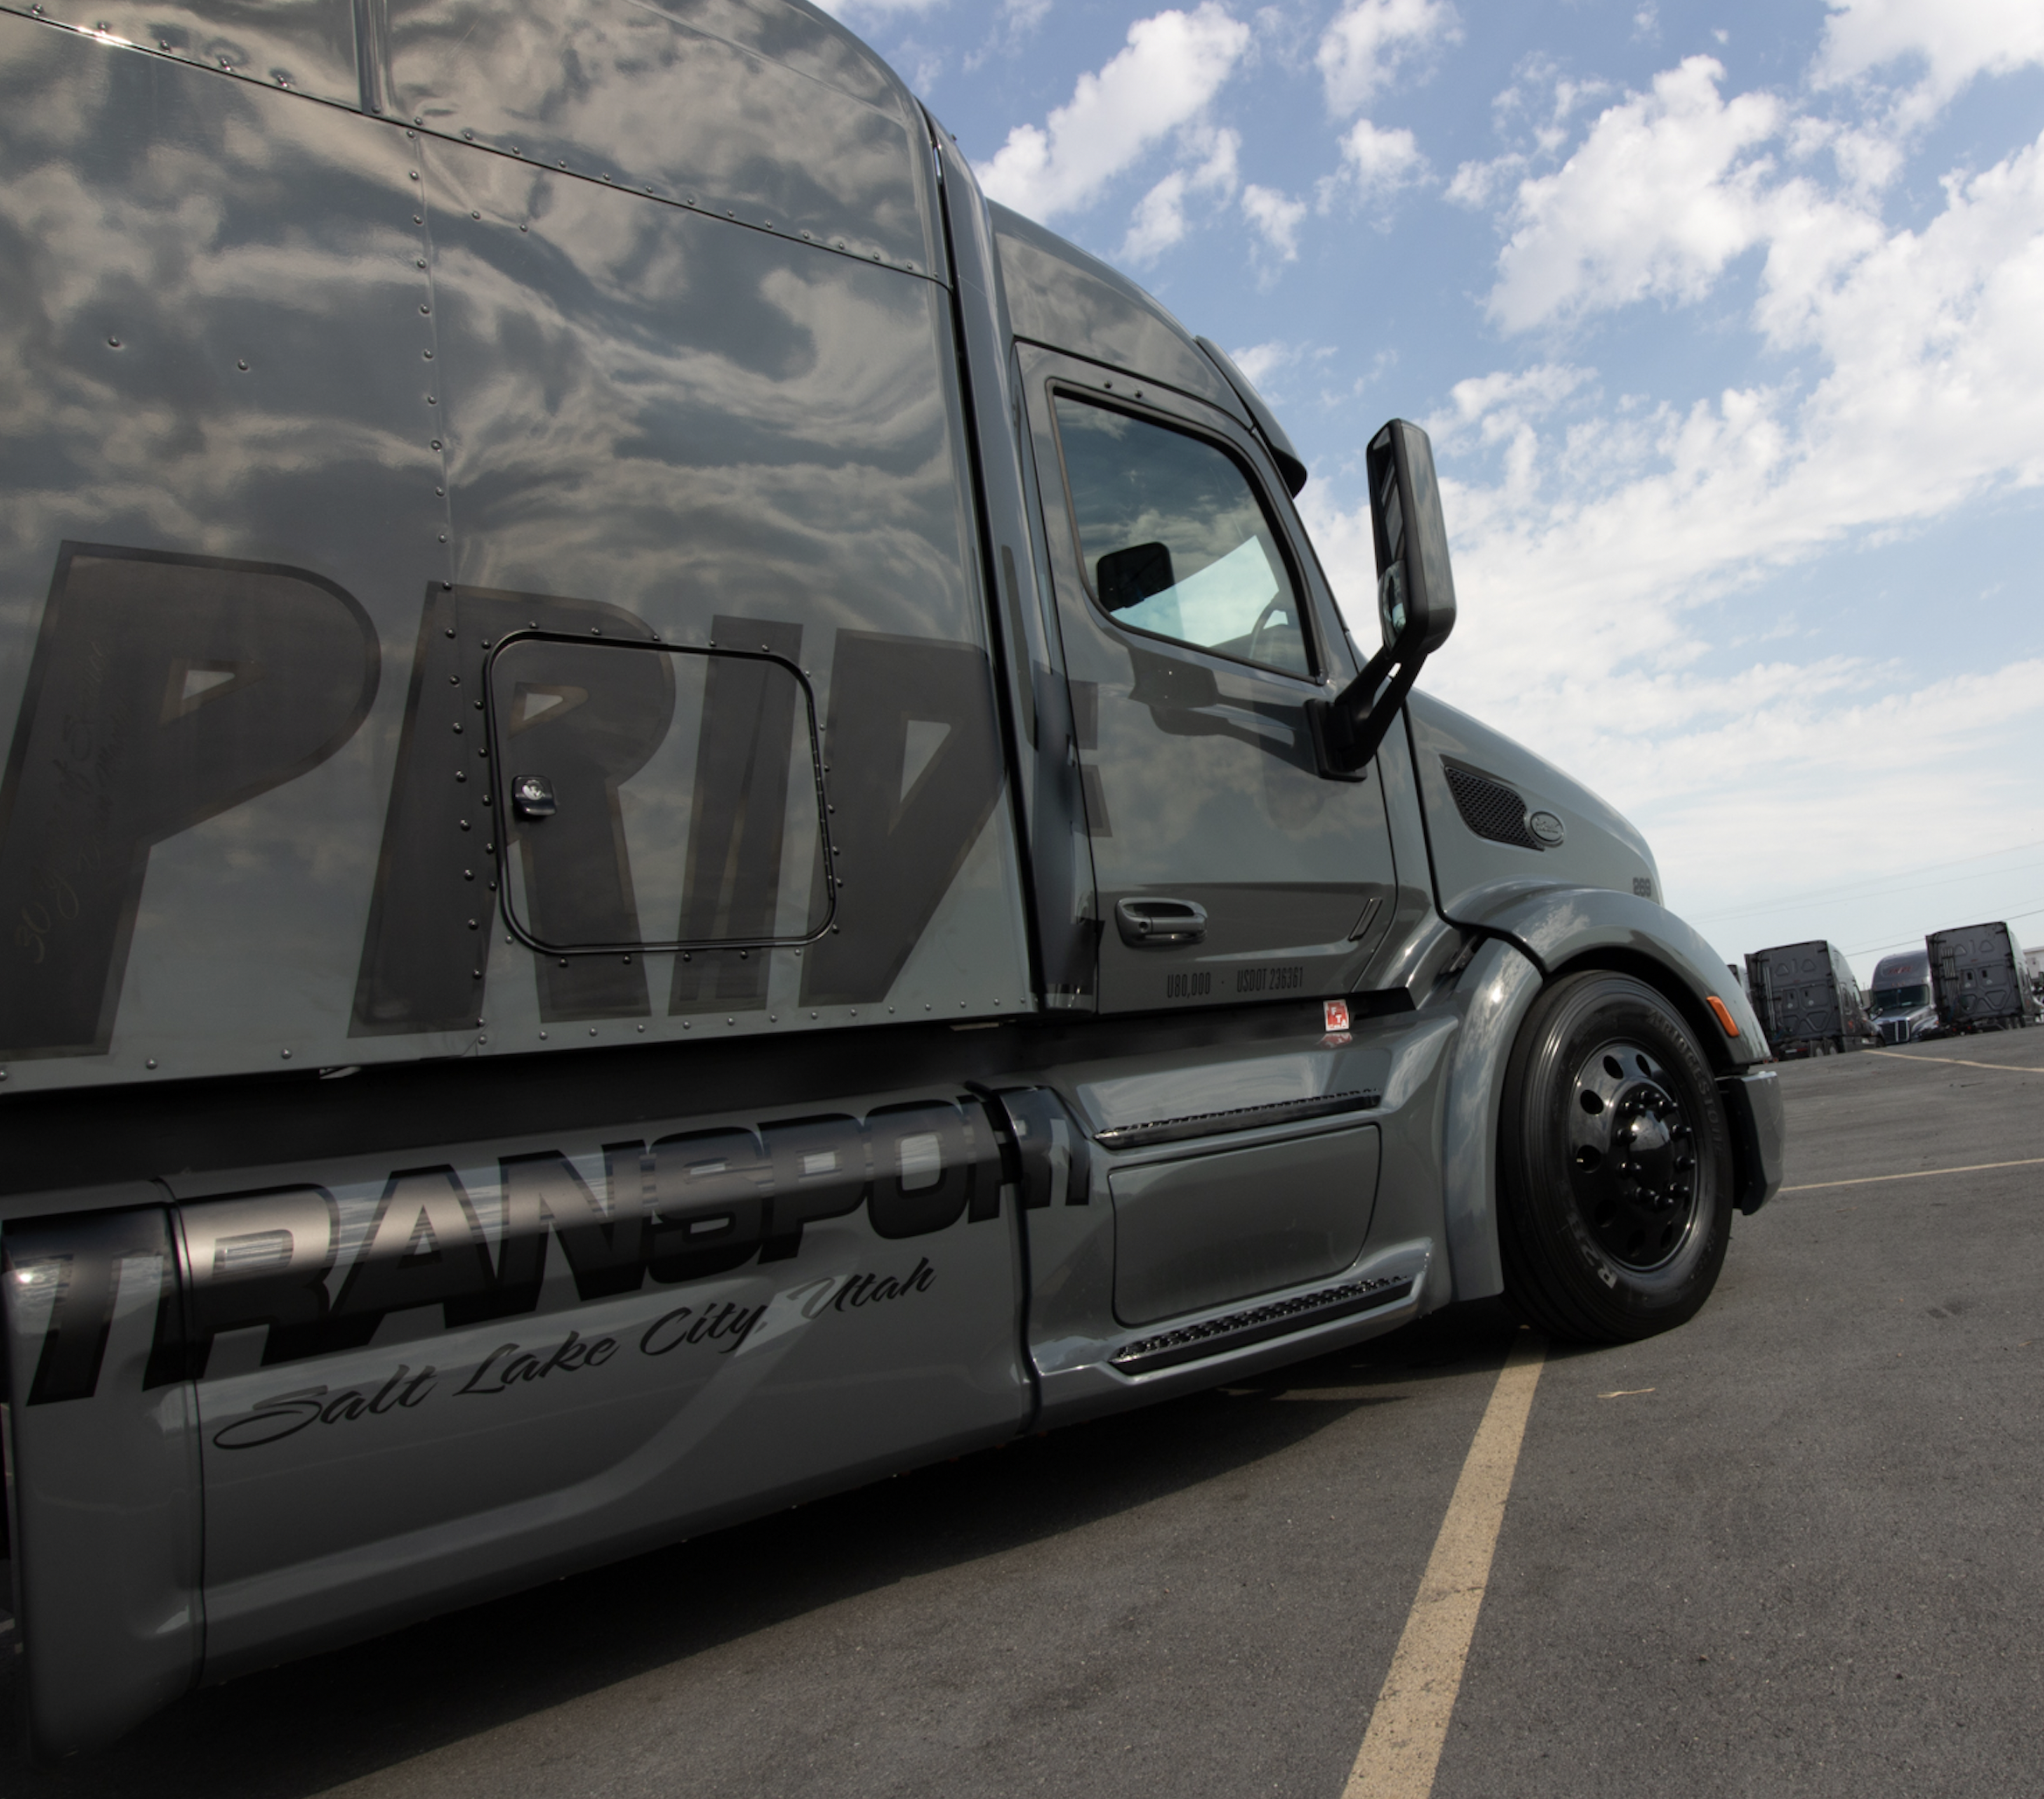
(1489,808)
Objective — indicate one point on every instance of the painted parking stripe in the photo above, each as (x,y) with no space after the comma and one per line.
(1913,1174)
(1402,1745)
(1958,1062)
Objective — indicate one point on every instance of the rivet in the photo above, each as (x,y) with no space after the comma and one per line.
(521,227)
(443,537)
(805,237)
(926,1005)
(113,344)
(855,1012)
(418,219)
(415,121)
(890,1009)
(470,135)
(591,1030)
(507,936)
(684,1024)
(812,1015)
(641,1031)
(471,924)
(481,1040)
(560,165)
(411,137)
(152,1061)
(475,215)
(439,492)
(606,178)
(286,1055)
(464,825)
(431,399)
(413,173)
(427,354)
(461,775)
(425,310)
(450,632)
(731,1021)
(542,1037)
(436,443)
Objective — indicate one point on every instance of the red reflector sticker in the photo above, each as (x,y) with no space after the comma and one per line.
(1336,1011)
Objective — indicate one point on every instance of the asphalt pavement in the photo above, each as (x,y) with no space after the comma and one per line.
(1796,1547)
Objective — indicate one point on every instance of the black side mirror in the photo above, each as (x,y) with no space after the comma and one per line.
(1129,576)
(1415,601)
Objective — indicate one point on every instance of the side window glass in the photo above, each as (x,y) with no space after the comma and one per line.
(1174,540)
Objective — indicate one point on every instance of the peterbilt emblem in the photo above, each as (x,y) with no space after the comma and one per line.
(1547,828)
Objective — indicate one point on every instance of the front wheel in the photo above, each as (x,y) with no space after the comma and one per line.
(1614,1167)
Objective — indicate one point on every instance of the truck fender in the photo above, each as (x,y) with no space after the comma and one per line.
(1563,927)
(103,1449)
(1496,991)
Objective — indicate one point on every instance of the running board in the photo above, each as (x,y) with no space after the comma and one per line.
(1234,1330)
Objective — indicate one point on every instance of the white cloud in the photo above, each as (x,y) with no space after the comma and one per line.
(1951,43)
(1370,39)
(1173,66)
(1260,361)
(1588,556)
(1276,218)
(1379,162)
(1159,219)
(1658,198)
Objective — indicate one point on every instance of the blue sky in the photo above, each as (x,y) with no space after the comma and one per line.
(1727,322)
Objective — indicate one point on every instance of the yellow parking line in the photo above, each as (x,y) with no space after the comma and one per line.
(1957,1062)
(1914,1174)
(1401,1749)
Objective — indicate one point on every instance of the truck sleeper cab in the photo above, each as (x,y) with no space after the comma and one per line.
(687,821)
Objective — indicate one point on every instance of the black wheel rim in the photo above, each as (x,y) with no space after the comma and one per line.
(1632,1156)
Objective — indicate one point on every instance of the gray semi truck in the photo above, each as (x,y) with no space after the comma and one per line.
(687,821)
(1808,1002)
(1980,979)
(1898,1004)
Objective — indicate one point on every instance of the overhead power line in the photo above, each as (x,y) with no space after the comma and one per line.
(1860,888)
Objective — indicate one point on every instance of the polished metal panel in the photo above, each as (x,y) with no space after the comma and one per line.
(307,46)
(613,1342)
(1497,990)
(281,356)
(1060,296)
(1041,728)
(104,1464)
(1598,846)
(1200,781)
(760,113)
(1234,1223)
(726,438)
(215,362)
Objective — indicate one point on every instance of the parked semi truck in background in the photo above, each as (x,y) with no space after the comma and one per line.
(1808,1002)
(688,821)
(1980,979)
(1900,1002)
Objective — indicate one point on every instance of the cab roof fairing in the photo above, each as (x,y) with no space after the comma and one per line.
(827,145)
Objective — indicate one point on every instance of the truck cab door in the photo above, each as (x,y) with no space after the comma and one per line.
(1196,625)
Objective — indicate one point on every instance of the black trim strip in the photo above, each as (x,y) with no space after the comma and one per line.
(1200,1124)
(1217,1336)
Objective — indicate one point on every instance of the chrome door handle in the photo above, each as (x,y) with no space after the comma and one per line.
(1159,924)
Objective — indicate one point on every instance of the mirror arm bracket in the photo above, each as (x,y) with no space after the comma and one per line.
(1348,729)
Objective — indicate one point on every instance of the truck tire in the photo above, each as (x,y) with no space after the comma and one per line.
(1614,1165)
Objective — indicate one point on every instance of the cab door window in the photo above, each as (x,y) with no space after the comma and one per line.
(1173,541)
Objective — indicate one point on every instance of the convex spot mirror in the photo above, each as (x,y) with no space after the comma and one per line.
(1415,601)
